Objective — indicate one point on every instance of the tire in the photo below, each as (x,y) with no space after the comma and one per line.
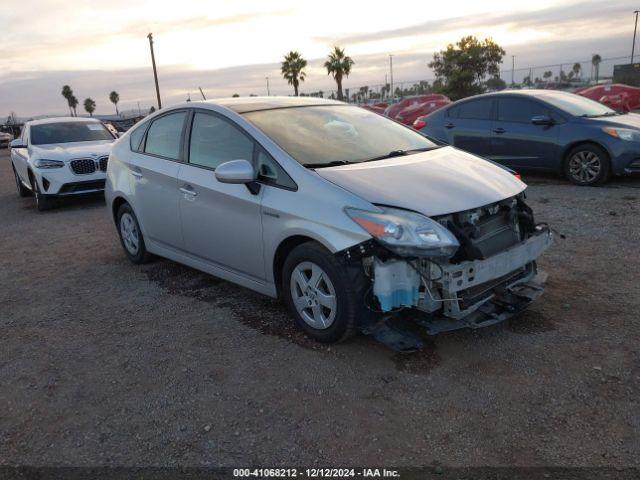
(131,237)
(587,165)
(314,312)
(22,190)
(43,202)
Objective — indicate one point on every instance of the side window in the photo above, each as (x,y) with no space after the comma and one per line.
(136,137)
(476,109)
(271,173)
(163,136)
(453,112)
(215,141)
(519,110)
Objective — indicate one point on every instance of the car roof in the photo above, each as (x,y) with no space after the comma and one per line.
(44,121)
(252,104)
(534,93)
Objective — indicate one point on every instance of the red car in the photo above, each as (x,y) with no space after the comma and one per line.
(376,107)
(411,108)
(617,96)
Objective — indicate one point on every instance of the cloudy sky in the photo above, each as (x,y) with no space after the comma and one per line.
(231,47)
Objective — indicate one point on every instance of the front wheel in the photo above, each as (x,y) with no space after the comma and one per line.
(325,297)
(587,165)
(42,201)
(22,190)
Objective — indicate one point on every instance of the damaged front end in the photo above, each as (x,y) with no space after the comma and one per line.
(468,269)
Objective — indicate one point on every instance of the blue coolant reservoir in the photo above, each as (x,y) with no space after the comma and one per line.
(396,284)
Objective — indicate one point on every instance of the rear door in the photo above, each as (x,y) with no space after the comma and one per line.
(469,125)
(154,176)
(221,222)
(516,141)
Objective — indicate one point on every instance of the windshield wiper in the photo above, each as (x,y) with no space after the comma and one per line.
(334,163)
(398,153)
(608,114)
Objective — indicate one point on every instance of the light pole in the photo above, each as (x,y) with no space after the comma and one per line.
(391,75)
(268,92)
(513,68)
(155,72)
(633,47)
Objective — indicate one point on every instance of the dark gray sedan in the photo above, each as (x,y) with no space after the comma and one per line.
(542,130)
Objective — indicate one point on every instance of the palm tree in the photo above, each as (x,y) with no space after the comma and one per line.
(339,65)
(73,103)
(293,69)
(89,106)
(595,61)
(67,93)
(115,98)
(548,74)
(576,69)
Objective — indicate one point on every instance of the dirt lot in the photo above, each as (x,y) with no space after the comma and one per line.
(106,363)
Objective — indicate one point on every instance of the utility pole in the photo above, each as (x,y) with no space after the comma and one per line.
(202,93)
(268,92)
(513,68)
(155,72)
(633,47)
(391,75)
(139,111)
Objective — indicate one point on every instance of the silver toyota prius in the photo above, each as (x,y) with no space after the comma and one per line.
(358,222)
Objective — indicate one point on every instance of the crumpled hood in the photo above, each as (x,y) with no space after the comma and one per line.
(437,182)
(68,151)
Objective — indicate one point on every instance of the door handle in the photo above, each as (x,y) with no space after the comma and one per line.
(188,190)
(136,173)
(449,125)
(499,130)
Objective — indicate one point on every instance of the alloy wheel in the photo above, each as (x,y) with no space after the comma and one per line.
(585,166)
(313,295)
(129,233)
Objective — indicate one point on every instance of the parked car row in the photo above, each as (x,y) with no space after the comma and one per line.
(348,216)
(543,130)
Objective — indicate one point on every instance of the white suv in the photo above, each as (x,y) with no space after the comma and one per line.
(59,157)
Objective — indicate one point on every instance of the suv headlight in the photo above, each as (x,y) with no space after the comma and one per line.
(406,233)
(42,163)
(623,133)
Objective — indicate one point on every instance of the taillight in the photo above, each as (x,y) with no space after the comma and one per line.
(518,176)
(419,124)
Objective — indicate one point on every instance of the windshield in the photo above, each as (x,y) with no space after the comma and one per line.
(577,105)
(324,135)
(67,132)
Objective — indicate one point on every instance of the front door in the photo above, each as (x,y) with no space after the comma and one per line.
(221,222)
(517,142)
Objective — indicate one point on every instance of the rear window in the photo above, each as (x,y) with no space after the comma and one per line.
(68,132)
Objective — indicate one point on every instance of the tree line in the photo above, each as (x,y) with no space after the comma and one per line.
(89,104)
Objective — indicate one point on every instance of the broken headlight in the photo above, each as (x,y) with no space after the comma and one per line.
(406,233)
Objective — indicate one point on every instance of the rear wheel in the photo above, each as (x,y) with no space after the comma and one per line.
(131,236)
(325,297)
(42,201)
(22,190)
(587,165)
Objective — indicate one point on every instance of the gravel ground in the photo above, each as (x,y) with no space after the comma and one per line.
(106,363)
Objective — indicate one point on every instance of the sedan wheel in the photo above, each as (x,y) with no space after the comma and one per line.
(585,166)
(314,295)
(129,233)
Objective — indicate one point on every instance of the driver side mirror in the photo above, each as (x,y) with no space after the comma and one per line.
(236,171)
(542,120)
(17,143)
